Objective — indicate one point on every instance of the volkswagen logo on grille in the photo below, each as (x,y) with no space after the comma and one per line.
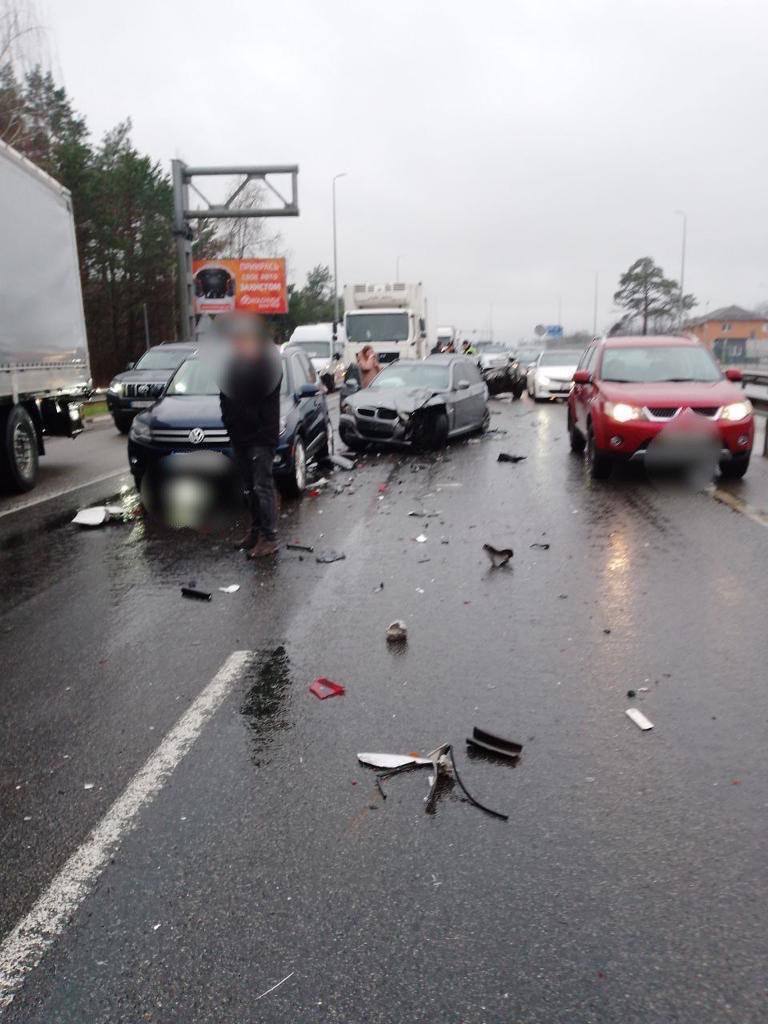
(196,435)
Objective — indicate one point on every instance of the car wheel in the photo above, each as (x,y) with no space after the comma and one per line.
(19,450)
(735,469)
(294,484)
(575,436)
(599,463)
(432,431)
(123,423)
(486,421)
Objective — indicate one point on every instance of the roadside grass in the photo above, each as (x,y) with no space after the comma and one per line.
(92,409)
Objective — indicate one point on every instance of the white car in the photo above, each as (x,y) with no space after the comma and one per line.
(551,376)
(492,355)
(316,342)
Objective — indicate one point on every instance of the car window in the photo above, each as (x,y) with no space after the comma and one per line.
(466,370)
(162,359)
(658,363)
(305,371)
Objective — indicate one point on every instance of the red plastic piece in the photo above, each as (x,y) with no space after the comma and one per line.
(323,688)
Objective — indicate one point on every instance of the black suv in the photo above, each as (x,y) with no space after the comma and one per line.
(143,382)
(187,421)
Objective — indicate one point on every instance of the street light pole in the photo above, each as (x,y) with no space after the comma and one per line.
(680,313)
(335,257)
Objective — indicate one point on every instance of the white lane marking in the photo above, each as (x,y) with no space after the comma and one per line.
(24,947)
(60,494)
(739,505)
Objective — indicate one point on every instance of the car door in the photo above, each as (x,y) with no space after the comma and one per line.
(461,394)
(311,408)
(478,392)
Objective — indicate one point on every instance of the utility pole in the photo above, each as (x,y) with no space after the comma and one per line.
(336,314)
(681,310)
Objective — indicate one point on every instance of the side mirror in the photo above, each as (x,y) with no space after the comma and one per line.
(306,391)
(582,377)
(130,366)
(463,385)
(734,375)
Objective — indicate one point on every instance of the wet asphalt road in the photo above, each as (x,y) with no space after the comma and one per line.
(629,883)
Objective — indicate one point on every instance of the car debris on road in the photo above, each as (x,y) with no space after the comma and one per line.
(639,719)
(498,556)
(325,557)
(323,688)
(201,595)
(397,632)
(507,457)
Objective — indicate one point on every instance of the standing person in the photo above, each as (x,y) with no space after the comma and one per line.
(369,364)
(250,409)
(468,349)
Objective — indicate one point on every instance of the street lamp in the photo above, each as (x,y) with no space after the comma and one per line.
(335,256)
(680,313)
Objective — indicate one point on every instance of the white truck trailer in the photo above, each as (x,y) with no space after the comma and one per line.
(390,317)
(44,368)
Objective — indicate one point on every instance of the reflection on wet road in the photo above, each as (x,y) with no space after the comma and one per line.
(629,883)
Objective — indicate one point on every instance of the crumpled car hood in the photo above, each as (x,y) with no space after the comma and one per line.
(402,400)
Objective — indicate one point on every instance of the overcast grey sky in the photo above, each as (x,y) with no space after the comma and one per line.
(505,150)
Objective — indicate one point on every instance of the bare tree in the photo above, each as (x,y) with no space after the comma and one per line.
(21,48)
(247,237)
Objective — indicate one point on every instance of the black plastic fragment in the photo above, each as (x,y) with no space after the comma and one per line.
(508,457)
(540,546)
(299,547)
(489,738)
(201,595)
(498,556)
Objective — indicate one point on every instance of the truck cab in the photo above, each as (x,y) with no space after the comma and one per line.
(392,318)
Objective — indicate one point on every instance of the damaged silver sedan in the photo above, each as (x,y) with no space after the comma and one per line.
(416,402)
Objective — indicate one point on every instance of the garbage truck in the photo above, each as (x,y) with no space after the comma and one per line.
(390,317)
(44,366)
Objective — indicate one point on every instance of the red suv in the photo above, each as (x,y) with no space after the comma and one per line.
(626,391)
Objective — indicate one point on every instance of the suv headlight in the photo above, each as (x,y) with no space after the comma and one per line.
(736,411)
(140,431)
(117,387)
(622,412)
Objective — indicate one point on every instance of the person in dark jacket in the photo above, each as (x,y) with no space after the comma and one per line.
(250,410)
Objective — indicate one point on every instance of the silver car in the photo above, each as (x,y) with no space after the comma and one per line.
(551,376)
(420,402)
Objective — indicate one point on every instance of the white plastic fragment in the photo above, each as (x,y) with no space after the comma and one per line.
(231,589)
(91,516)
(639,719)
(341,462)
(88,785)
(390,760)
(421,539)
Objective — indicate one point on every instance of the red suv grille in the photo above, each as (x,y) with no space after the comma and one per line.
(663,411)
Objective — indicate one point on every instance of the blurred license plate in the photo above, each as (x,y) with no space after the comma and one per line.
(213,463)
(142,403)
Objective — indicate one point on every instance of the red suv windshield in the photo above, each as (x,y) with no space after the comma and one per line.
(652,364)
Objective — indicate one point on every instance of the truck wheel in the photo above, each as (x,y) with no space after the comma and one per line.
(18,450)
(122,422)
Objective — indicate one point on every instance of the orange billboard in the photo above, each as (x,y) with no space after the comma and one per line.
(252,286)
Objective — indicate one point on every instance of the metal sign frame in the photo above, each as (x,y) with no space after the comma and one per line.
(184,212)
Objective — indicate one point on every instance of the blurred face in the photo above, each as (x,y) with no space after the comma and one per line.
(245,334)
